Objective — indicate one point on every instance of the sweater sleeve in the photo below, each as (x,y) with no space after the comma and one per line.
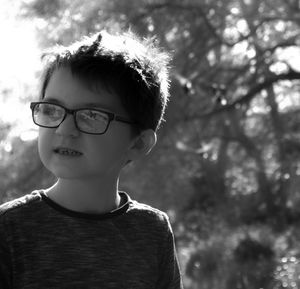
(5,260)
(169,276)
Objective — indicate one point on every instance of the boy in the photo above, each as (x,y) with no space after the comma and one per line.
(102,100)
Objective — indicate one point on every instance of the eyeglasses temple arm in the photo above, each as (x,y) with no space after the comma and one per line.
(123,119)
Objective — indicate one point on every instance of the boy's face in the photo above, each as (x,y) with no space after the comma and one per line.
(102,156)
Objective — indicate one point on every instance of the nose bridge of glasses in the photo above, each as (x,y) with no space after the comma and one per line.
(72,112)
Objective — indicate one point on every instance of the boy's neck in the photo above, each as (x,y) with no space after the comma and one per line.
(85,197)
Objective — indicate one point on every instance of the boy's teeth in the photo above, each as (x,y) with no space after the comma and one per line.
(67,152)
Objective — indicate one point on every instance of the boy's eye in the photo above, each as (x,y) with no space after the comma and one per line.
(93,115)
(50,110)
(46,109)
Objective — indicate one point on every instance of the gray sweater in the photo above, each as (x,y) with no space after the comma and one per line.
(45,246)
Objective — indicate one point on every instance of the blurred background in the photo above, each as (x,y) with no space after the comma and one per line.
(227,165)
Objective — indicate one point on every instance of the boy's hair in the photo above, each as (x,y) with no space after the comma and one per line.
(136,69)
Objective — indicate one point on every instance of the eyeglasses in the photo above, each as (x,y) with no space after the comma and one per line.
(87,120)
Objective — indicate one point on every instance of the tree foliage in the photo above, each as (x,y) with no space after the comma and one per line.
(227,166)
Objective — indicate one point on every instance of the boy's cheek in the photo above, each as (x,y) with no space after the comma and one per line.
(42,152)
(44,145)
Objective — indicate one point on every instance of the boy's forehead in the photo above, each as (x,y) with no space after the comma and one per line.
(65,78)
(68,88)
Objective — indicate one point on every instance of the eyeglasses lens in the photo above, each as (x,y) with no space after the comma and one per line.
(92,121)
(49,115)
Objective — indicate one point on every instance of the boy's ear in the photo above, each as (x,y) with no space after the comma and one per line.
(143,143)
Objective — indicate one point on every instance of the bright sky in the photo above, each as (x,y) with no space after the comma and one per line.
(19,58)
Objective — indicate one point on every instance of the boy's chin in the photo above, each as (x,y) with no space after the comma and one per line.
(68,173)
(78,175)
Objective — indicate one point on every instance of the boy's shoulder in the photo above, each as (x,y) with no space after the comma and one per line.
(147,210)
(19,203)
(146,213)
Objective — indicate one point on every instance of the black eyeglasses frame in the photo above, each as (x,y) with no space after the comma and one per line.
(111,116)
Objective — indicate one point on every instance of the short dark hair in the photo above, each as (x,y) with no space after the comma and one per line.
(134,68)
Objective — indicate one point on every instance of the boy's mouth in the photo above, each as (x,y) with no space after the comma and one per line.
(67,151)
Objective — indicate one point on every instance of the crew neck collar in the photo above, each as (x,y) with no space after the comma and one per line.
(125,202)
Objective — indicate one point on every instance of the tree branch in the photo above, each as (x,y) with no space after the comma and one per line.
(179,6)
(245,99)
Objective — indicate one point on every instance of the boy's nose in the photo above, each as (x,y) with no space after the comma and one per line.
(68,127)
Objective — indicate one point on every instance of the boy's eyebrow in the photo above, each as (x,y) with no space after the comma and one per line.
(50,99)
(88,104)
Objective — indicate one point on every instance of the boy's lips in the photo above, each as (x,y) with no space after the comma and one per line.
(62,150)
